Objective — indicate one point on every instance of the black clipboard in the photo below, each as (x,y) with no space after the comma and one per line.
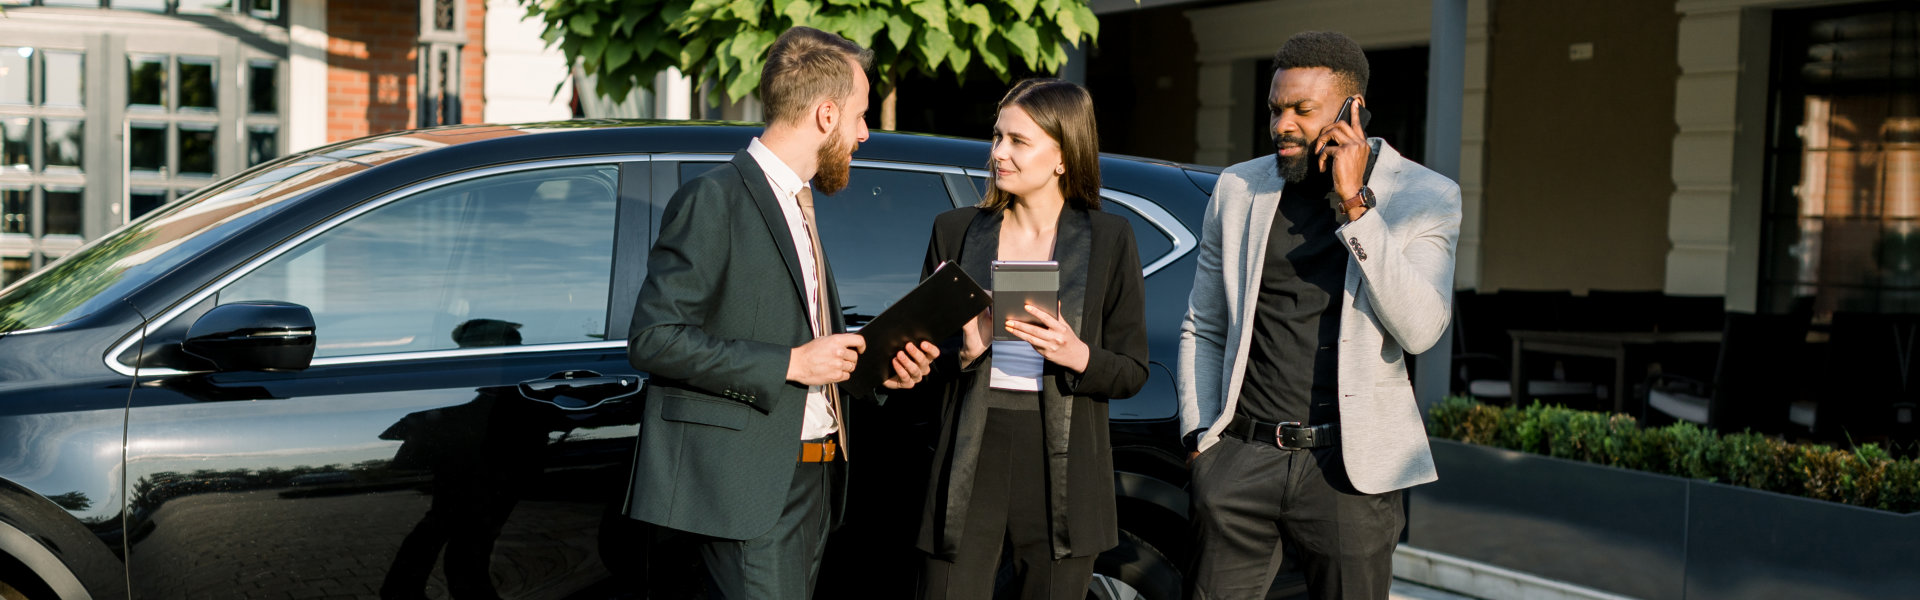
(933,310)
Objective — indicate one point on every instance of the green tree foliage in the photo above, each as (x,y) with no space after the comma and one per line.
(626,42)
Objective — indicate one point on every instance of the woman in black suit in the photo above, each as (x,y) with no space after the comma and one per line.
(1023,456)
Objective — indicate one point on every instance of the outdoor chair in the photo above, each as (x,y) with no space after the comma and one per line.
(1482,349)
(1754,380)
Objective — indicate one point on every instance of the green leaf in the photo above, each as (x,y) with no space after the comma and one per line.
(861,26)
(743,84)
(1050,8)
(673,9)
(977,15)
(934,13)
(582,26)
(618,53)
(694,51)
(961,56)
(1083,16)
(748,11)
(1022,8)
(899,32)
(797,11)
(934,47)
(1071,30)
(591,50)
(1025,40)
(994,55)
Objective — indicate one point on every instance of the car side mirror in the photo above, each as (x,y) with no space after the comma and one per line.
(253,336)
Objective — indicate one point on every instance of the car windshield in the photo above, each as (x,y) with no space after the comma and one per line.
(113,266)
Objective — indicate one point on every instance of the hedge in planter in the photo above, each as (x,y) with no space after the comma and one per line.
(1866,476)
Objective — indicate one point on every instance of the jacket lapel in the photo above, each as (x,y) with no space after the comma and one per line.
(1073,248)
(776,219)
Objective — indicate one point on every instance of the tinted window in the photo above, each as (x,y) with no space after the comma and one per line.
(1153,243)
(875,233)
(518,258)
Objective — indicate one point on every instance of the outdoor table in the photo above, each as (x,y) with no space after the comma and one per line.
(1617,345)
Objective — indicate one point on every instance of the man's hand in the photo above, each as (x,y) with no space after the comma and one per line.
(826,359)
(1346,157)
(911,364)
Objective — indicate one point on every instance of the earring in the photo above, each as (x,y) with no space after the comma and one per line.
(1060,170)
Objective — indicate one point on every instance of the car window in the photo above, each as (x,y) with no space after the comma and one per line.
(516,258)
(875,233)
(1153,243)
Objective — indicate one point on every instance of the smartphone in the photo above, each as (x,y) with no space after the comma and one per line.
(1366,116)
(1017,283)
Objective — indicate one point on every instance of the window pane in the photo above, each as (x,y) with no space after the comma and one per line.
(147,80)
(65,79)
(81,3)
(15,74)
(147,147)
(14,206)
(204,7)
(12,268)
(146,5)
(143,201)
(64,137)
(1152,242)
(15,153)
(520,258)
(865,229)
(197,83)
(263,144)
(263,87)
(265,9)
(62,211)
(196,149)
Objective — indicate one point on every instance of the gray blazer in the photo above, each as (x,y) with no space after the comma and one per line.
(1398,299)
(722,305)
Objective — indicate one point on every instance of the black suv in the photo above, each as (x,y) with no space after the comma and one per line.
(319,375)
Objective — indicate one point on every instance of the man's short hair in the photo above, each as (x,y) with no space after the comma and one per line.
(1335,51)
(806,66)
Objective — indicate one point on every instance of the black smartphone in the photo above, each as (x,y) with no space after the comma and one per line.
(1366,116)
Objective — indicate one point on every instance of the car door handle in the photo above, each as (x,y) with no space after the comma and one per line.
(581,390)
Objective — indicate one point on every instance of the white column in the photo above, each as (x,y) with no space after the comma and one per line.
(307,75)
(675,100)
(522,71)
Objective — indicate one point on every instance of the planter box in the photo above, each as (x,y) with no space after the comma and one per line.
(1656,536)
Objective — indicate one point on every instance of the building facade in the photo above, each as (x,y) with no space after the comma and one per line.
(110,108)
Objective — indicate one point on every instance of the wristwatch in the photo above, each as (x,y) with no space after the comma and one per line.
(1345,206)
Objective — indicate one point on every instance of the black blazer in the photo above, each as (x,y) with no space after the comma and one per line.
(1102,293)
(722,305)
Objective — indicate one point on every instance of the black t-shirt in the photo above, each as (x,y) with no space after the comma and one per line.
(1292,362)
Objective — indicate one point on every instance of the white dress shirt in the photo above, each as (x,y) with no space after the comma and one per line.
(786,185)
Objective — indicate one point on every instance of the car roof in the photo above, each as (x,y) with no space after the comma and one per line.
(627,136)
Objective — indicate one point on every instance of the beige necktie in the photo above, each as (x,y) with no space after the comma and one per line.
(822,316)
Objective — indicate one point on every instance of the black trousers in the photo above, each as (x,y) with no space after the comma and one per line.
(1008,506)
(1254,504)
(783,563)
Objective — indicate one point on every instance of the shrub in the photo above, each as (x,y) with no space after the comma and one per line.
(1866,476)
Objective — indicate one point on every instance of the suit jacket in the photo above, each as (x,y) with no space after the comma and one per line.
(1397,299)
(722,306)
(1102,298)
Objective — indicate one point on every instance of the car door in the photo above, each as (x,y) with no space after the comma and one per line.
(466,426)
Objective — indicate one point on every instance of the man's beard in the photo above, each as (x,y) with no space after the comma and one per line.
(1295,169)
(836,162)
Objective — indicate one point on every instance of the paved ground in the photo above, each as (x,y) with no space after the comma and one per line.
(1403,590)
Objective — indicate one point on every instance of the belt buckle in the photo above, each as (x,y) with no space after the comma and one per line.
(1279,437)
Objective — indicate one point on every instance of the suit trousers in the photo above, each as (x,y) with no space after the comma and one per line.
(1256,506)
(783,563)
(1008,505)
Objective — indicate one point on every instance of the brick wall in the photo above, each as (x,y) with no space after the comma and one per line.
(372,58)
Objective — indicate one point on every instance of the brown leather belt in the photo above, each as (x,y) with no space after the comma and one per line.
(821,451)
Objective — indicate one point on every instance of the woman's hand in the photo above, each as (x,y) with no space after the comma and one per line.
(976,336)
(1053,339)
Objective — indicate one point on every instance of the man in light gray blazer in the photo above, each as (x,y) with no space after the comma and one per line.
(1320,268)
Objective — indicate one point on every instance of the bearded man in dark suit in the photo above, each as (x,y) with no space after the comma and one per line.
(743,442)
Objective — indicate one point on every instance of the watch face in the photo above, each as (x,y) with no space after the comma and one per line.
(1367,194)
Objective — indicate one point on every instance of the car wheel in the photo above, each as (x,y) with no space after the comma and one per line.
(1134,570)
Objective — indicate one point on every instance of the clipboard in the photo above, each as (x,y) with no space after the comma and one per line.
(933,310)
